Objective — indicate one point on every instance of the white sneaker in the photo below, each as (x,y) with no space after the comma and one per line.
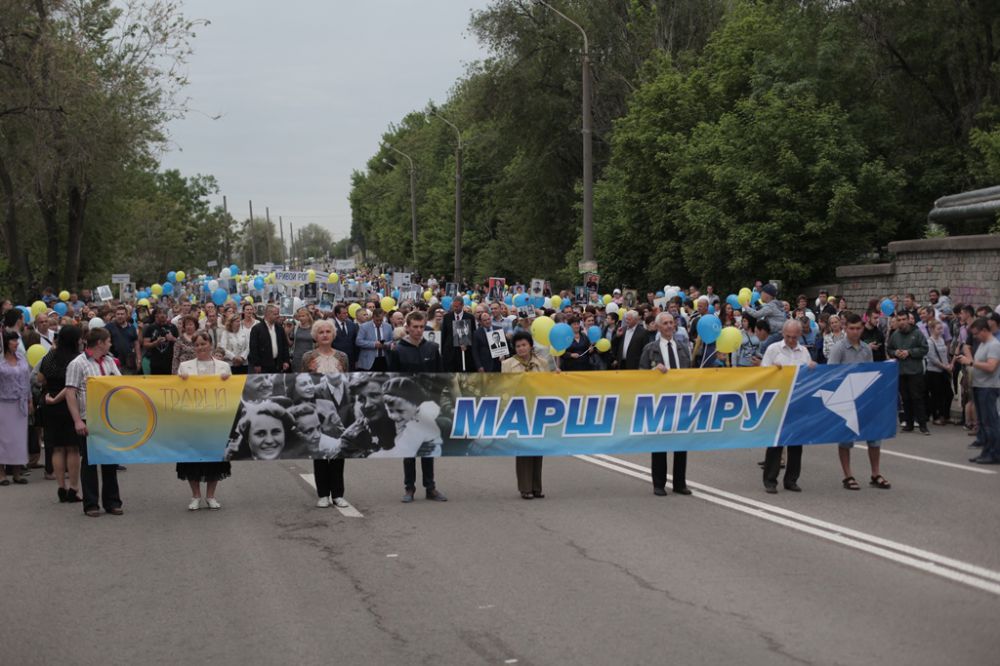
(195,504)
(213,503)
(341,502)
(323,503)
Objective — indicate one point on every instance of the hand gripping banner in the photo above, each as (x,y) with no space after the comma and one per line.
(378,415)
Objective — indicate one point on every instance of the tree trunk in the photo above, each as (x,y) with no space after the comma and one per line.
(20,270)
(47,200)
(74,243)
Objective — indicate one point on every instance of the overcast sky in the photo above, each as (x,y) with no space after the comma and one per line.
(305,91)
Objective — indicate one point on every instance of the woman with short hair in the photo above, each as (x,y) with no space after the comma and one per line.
(528,468)
(15,405)
(301,338)
(184,347)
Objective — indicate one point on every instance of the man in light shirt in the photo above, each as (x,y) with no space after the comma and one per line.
(780,354)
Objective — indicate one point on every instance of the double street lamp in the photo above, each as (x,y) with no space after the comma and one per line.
(413,200)
(588,263)
(458,195)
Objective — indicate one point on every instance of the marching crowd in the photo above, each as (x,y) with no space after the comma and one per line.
(942,350)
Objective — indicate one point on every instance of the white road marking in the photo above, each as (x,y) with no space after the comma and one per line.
(393,555)
(967,468)
(978,577)
(349,511)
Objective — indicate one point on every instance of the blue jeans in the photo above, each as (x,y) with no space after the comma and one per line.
(989,420)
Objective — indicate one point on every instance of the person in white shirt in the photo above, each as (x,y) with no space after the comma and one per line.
(780,354)
(93,362)
(44,332)
(234,340)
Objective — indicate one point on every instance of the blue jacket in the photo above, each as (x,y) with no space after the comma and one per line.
(366,343)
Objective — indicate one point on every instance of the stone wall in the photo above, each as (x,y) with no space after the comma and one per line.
(968,265)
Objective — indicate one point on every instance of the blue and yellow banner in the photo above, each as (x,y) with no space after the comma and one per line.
(378,415)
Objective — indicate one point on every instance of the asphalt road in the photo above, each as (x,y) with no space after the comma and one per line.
(599,572)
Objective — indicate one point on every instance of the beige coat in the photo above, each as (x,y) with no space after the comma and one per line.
(514,364)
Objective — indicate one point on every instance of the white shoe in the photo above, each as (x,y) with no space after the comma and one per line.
(213,503)
(341,502)
(323,503)
(195,504)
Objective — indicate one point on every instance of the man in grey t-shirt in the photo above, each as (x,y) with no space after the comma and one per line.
(985,365)
(852,350)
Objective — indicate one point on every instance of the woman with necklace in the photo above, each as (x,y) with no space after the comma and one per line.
(208,472)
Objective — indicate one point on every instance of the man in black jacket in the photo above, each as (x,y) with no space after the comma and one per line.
(457,358)
(483,340)
(414,354)
(268,345)
(347,333)
(629,342)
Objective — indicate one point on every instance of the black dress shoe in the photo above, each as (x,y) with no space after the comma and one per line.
(682,491)
(794,487)
(771,490)
(659,492)
(983,460)
(907,428)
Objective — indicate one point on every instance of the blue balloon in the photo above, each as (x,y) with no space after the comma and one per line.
(237,298)
(60,308)
(446,302)
(887,307)
(395,294)
(593,334)
(660,294)
(561,337)
(521,300)
(234,270)
(467,300)
(27,313)
(754,297)
(538,301)
(258,283)
(172,276)
(219,296)
(168,288)
(709,328)
(734,301)
(508,299)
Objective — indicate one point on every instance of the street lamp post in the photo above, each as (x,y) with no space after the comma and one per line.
(588,155)
(413,200)
(458,197)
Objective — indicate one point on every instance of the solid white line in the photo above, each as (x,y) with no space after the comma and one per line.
(967,468)
(348,510)
(967,574)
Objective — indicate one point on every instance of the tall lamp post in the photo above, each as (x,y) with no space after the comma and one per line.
(588,263)
(458,196)
(413,200)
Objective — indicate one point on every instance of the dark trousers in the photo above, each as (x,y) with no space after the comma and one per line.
(529,473)
(410,472)
(659,469)
(989,420)
(239,369)
(772,465)
(912,389)
(380,364)
(96,494)
(939,389)
(329,477)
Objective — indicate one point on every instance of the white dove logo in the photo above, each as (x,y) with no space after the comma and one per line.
(842,401)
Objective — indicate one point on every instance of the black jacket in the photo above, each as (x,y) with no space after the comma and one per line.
(407,357)
(452,355)
(260,348)
(481,356)
(634,352)
(347,343)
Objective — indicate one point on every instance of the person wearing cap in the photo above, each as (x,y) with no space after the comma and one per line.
(771,310)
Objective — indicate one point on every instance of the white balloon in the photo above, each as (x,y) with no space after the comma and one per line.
(96,322)
(225,273)
(297,303)
(547,304)
(611,307)
(433,301)
(670,293)
(213,284)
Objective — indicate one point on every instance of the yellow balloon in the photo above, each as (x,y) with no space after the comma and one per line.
(744,299)
(311,275)
(38,307)
(157,289)
(388,303)
(607,298)
(272,277)
(352,310)
(556,302)
(745,291)
(248,299)
(603,345)
(180,276)
(540,329)
(555,352)
(63,295)
(35,354)
(333,278)
(143,302)
(428,295)
(729,340)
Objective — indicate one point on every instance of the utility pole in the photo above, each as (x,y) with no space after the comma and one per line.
(281,228)
(291,243)
(458,198)
(267,229)
(413,201)
(229,250)
(253,241)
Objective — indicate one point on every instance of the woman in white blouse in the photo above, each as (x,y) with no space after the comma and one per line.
(234,340)
(208,472)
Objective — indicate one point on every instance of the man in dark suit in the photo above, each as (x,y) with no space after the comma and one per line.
(456,359)
(665,353)
(268,345)
(347,334)
(629,342)
(483,340)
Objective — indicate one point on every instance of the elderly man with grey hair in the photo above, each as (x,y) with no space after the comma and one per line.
(629,342)
(787,352)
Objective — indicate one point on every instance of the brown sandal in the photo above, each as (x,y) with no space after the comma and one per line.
(850,483)
(880,482)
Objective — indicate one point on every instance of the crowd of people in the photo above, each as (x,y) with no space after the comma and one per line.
(942,350)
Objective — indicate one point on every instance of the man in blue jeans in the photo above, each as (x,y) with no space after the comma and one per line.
(985,365)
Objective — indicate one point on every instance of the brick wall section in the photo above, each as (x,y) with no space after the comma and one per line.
(969,265)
